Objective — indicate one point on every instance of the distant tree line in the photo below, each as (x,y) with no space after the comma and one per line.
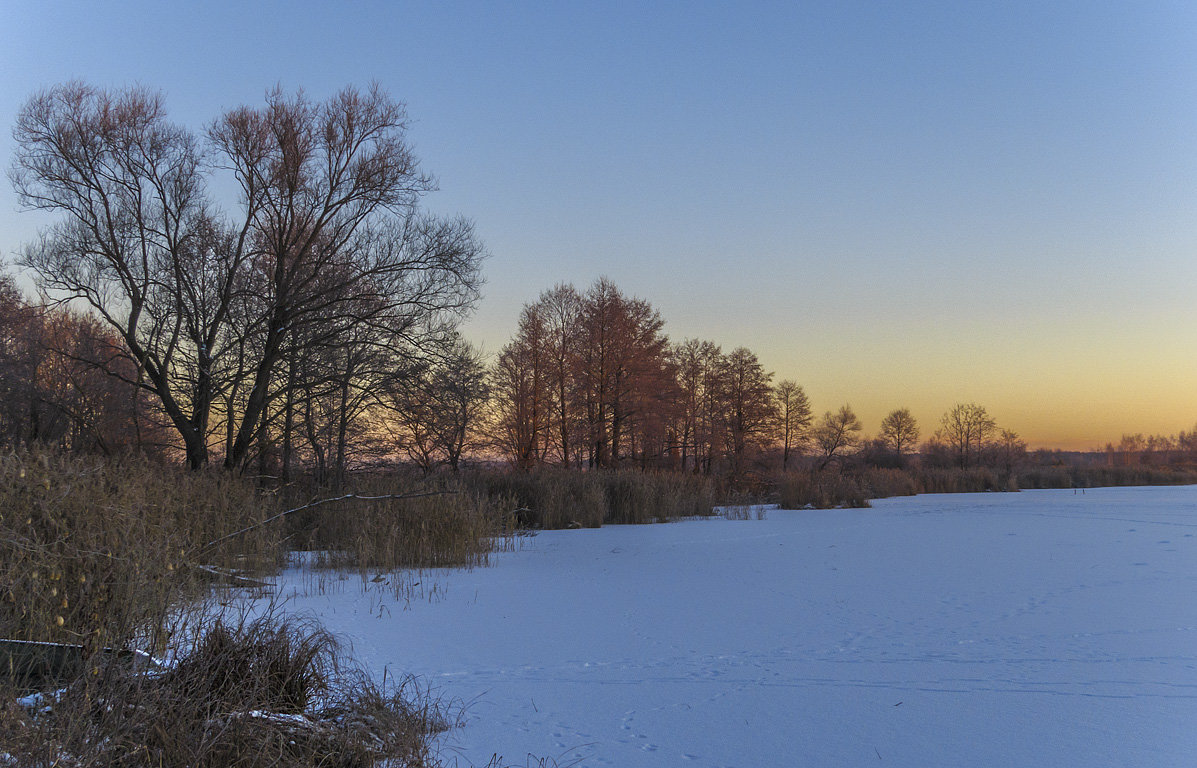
(1157,450)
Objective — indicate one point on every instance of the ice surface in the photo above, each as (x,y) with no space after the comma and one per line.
(1034,629)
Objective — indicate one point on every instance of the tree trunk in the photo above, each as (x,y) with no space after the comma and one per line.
(342,431)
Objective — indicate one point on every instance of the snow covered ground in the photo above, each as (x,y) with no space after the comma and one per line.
(1034,629)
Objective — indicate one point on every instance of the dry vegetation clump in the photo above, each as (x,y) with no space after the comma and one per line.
(854,486)
(643,497)
(548,497)
(1047,477)
(106,554)
(545,497)
(954,480)
(269,692)
(822,490)
(882,483)
(97,551)
(441,524)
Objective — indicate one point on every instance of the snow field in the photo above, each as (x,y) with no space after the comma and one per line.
(1034,629)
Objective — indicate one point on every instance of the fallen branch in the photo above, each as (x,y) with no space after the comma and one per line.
(318,502)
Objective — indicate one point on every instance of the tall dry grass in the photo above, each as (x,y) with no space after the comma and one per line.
(445,523)
(549,497)
(972,480)
(853,488)
(274,692)
(97,551)
(821,490)
(118,553)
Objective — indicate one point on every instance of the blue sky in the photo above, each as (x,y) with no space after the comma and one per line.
(894,204)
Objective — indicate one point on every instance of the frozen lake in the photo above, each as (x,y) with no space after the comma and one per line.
(1040,628)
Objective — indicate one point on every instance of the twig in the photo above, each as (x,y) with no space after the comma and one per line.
(316,503)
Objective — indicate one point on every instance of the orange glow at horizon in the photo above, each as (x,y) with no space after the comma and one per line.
(1055,391)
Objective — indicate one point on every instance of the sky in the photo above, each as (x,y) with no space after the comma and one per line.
(894,204)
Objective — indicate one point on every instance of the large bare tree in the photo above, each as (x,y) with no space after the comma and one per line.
(899,431)
(749,406)
(623,370)
(326,238)
(135,240)
(697,413)
(330,193)
(794,418)
(836,433)
(966,429)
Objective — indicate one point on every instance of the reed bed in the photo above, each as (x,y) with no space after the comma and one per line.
(547,497)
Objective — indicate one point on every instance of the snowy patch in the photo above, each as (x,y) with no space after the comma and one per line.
(1032,629)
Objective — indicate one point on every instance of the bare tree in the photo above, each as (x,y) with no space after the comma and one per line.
(698,413)
(749,405)
(561,311)
(327,237)
(966,429)
(520,385)
(436,410)
(794,418)
(1012,450)
(623,370)
(462,386)
(330,194)
(19,331)
(136,242)
(414,418)
(1186,443)
(54,388)
(835,434)
(899,431)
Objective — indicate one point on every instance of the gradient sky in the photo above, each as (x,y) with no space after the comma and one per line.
(895,204)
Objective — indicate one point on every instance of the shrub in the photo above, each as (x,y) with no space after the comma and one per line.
(274,691)
(648,497)
(854,487)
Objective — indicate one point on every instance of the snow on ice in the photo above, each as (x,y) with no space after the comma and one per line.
(1043,628)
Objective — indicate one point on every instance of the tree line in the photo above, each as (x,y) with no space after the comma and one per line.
(311,325)
(589,381)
